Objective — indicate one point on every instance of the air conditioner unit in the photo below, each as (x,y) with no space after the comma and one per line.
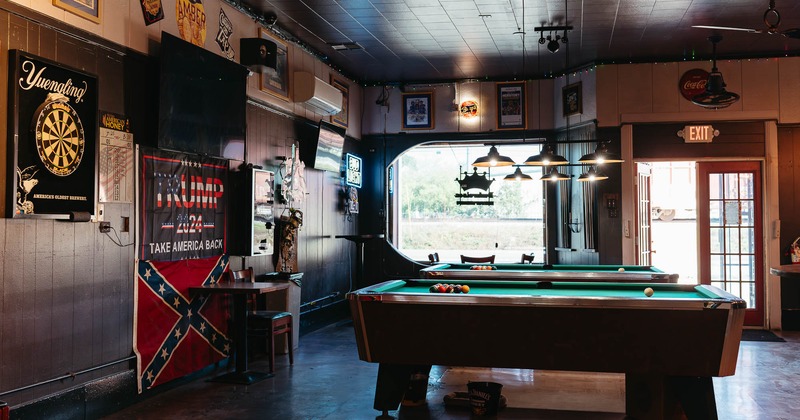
(320,96)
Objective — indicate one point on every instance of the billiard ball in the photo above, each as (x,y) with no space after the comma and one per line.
(465,289)
(456,289)
(648,291)
(434,289)
(621,270)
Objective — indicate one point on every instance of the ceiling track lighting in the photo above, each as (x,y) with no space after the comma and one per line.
(554,175)
(553,38)
(547,157)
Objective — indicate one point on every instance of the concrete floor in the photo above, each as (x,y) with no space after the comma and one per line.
(328,381)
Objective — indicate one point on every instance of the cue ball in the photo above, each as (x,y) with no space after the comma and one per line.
(648,291)
(621,270)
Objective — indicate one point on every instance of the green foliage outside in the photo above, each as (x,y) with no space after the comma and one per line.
(431,219)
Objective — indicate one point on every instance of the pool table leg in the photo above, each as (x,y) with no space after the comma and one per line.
(393,381)
(669,397)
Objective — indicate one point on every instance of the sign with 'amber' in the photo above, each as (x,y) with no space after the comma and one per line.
(183,199)
(191,18)
(53,139)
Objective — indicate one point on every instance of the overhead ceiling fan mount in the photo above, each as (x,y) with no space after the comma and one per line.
(772,19)
(715,96)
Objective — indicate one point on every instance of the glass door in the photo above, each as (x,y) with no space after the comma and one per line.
(729,218)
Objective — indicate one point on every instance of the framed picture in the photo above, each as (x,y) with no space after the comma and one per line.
(276,83)
(511,105)
(87,9)
(572,99)
(418,111)
(340,119)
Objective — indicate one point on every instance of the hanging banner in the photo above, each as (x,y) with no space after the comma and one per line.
(183,200)
(176,333)
(52,132)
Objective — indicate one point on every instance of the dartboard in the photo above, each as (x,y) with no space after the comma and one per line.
(59,137)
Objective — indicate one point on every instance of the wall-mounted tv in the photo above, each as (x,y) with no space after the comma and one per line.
(327,153)
(202,101)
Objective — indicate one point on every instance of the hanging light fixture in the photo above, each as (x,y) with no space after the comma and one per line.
(517,176)
(554,176)
(547,157)
(493,159)
(715,96)
(600,156)
(592,175)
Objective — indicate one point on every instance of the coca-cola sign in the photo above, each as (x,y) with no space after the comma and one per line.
(693,82)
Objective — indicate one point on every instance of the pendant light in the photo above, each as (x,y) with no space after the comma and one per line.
(592,175)
(600,156)
(546,157)
(517,176)
(494,158)
(554,175)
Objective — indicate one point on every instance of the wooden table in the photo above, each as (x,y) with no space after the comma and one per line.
(786,270)
(239,291)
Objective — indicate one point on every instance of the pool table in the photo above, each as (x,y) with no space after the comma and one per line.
(668,345)
(551,272)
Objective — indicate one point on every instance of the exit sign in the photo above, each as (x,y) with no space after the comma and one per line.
(698,133)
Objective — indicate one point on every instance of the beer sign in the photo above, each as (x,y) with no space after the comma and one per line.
(693,83)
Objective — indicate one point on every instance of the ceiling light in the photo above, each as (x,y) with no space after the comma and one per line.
(554,176)
(546,157)
(600,156)
(518,176)
(553,45)
(592,175)
(493,159)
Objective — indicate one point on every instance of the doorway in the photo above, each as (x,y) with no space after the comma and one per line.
(705,224)
(671,218)
(731,245)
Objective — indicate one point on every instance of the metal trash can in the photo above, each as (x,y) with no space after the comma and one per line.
(289,301)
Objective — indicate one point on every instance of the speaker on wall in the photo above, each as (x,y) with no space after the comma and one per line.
(258,54)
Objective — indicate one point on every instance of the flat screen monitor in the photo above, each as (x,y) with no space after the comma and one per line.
(329,147)
(202,101)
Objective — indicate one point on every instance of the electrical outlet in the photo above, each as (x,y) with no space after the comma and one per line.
(105,227)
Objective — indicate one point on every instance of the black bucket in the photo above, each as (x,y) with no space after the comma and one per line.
(484,397)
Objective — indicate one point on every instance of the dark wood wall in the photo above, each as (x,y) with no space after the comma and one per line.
(66,290)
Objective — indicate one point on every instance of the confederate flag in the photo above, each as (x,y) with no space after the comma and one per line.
(176,333)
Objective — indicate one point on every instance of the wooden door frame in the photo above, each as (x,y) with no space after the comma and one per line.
(756,317)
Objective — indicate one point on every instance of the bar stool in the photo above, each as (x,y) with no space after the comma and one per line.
(262,323)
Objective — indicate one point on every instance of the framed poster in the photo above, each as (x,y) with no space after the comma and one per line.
(340,119)
(511,105)
(418,111)
(87,9)
(52,164)
(572,99)
(276,83)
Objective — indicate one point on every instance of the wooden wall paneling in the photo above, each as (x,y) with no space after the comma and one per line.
(5,340)
(110,72)
(760,93)
(17,33)
(83,292)
(47,42)
(27,308)
(788,178)
(789,79)
(42,269)
(654,141)
(63,296)
(4,30)
(13,298)
(664,97)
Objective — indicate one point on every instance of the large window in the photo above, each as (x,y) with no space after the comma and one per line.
(427,218)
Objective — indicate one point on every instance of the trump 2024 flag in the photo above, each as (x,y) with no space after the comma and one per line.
(177,333)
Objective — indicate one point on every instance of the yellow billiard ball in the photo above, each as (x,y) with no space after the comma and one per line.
(648,291)
(621,270)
